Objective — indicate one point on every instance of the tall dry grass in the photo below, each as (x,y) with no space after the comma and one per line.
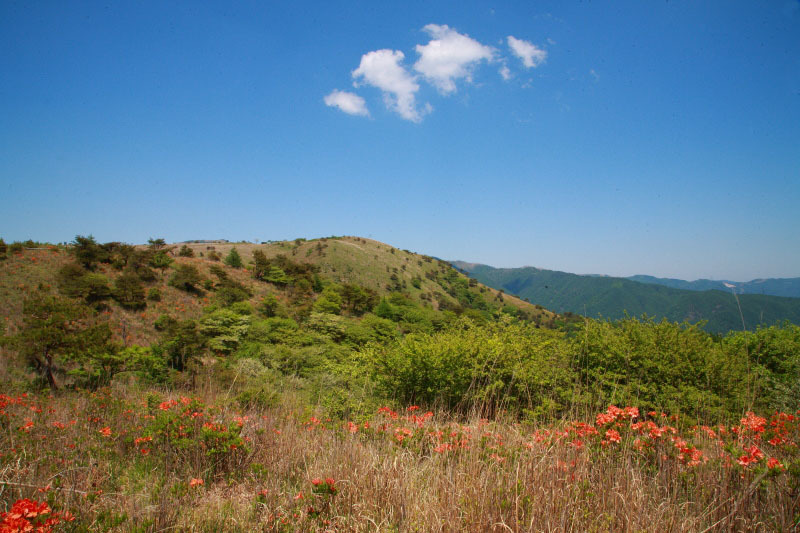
(496,476)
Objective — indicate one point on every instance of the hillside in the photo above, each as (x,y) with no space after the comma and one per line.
(342,385)
(613,298)
(377,266)
(786,287)
(427,282)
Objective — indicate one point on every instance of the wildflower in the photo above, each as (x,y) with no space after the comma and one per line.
(613,435)
(755,453)
(754,423)
(195,482)
(106,431)
(773,463)
(352,428)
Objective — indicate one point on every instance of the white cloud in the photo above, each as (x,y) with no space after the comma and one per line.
(529,54)
(449,56)
(505,72)
(350,103)
(382,69)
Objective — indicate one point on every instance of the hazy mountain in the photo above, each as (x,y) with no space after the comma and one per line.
(612,298)
(788,287)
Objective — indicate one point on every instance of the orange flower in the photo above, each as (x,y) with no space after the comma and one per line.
(774,463)
(106,431)
(195,482)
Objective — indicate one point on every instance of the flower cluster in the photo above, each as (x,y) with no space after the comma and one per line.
(28,515)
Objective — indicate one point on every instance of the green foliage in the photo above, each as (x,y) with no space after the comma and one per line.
(53,331)
(358,300)
(154,294)
(129,291)
(160,260)
(224,329)
(227,295)
(233,259)
(75,282)
(508,365)
(3,249)
(87,251)
(273,330)
(269,306)
(385,310)
(193,441)
(156,244)
(260,265)
(180,343)
(185,251)
(277,276)
(328,324)
(330,301)
(185,278)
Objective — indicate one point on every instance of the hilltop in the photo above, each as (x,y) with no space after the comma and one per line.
(380,267)
(614,298)
(426,282)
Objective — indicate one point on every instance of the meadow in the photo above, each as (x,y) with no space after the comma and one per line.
(270,395)
(132,459)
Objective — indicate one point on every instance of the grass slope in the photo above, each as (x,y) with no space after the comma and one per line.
(343,260)
(371,264)
(614,297)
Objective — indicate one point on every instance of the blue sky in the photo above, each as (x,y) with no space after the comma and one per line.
(614,137)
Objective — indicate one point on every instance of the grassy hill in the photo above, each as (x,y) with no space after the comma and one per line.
(380,267)
(428,282)
(614,297)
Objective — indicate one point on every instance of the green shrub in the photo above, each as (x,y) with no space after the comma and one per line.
(129,291)
(233,259)
(185,278)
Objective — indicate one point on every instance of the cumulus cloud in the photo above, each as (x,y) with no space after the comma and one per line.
(530,55)
(383,69)
(505,72)
(449,56)
(350,103)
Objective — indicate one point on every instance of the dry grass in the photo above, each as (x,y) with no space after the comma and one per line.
(504,480)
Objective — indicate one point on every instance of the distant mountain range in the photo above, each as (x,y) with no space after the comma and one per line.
(677,300)
(788,287)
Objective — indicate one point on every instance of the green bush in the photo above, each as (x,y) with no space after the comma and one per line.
(185,278)
(233,259)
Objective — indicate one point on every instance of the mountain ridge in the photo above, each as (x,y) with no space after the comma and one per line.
(616,297)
